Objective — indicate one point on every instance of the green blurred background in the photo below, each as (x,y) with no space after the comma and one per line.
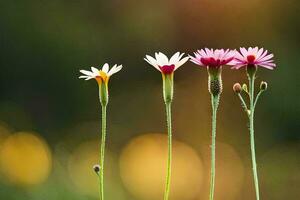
(50,120)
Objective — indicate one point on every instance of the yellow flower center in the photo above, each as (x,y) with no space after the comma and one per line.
(103,77)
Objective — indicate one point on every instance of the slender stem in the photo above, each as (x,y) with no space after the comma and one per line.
(244,105)
(252,140)
(102,152)
(257,97)
(214,102)
(169,162)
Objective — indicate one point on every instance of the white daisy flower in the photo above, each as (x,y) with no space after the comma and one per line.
(164,65)
(100,75)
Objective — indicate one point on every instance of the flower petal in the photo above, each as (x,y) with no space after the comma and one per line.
(174,59)
(114,70)
(181,62)
(89,73)
(162,59)
(105,68)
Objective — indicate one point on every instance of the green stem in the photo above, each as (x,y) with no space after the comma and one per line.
(214,102)
(102,152)
(257,97)
(252,140)
(244,105)
(169,162)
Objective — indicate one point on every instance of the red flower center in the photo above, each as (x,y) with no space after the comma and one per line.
(212,62)
(167,69)
(250,59)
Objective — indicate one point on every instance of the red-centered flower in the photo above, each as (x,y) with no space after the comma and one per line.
(253,56)
(213,58)
(163,64)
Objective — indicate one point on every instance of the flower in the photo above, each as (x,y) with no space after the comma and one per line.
(253,56)
(102,75)
(164,65)
(213,58)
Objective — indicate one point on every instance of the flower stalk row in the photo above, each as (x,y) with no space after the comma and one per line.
(213,60)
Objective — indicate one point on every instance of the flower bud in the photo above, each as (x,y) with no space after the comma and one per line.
(263,86)
(96,168)
(237,88)
(215,85)
(245,87)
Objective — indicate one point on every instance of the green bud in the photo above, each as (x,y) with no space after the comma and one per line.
(215,85)
(263,86)
(245,87)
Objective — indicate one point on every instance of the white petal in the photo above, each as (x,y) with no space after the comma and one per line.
(84,76)
(162,59)
(88,78)
(105,68)
(175,58)
(151,61)
(181,62)
(95,70)
(114,70)
(89,73)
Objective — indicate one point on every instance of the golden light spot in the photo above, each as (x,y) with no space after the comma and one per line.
(143,168)
(229,172)
(80,168)
(85,180)
(25,159)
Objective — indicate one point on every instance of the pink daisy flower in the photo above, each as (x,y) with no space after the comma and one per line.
(253,56)
(213,58)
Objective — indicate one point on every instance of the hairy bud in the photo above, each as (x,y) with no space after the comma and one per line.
(263,86)
(215,85)
(237,88)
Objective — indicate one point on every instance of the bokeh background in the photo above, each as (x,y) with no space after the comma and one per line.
(50,120)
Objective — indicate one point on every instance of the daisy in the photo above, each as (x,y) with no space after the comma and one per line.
(213,58)
(253,56)
(251,59)
(167,67)
(164,65)
(102,75)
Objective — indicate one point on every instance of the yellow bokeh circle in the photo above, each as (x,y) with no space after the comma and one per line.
(143,168)
(80,169)
(25,159)
(84,179)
